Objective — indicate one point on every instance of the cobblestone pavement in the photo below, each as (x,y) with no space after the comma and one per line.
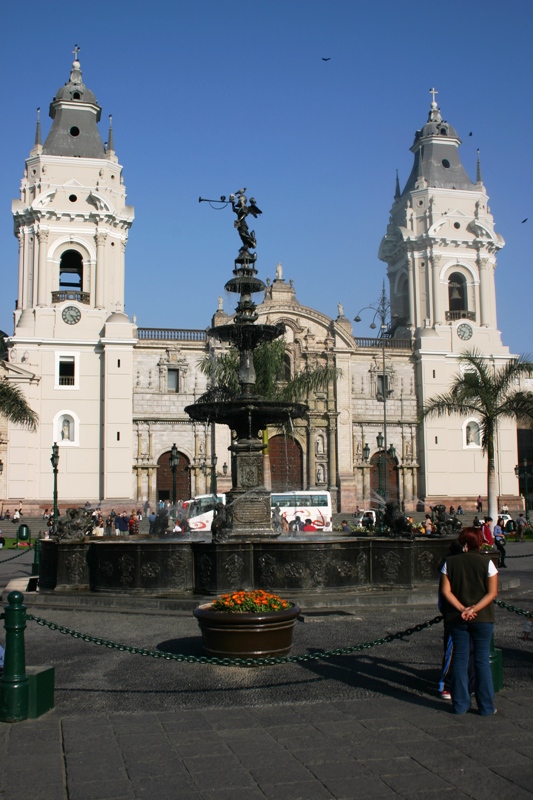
(368,725)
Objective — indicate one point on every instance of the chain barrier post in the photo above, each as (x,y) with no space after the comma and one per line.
(14,690)
(36,566)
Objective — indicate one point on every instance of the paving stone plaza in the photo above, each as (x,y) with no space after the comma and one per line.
(368,725)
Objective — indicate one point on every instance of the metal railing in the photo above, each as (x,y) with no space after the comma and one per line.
(453,315)
(172,334)
(79,297)
(388,344)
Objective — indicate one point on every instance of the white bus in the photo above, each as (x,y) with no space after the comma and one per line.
(200,510)
(313,505)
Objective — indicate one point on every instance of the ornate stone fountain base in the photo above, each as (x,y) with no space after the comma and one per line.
(169,568)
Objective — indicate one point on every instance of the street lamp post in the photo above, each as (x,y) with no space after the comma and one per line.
(381,311)
(174,461)
(521,472)
(54,460)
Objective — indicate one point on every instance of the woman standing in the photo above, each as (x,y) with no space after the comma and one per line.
(469,585)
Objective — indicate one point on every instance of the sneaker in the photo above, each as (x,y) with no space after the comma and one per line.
(445,695)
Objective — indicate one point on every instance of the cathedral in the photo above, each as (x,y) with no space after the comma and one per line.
(112,394)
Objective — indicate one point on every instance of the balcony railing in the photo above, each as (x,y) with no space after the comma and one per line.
(171,334)
(79,297)
(453,315)
(388,344)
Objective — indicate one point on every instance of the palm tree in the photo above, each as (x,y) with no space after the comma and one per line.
(14,406)
(488,394)
(269,359)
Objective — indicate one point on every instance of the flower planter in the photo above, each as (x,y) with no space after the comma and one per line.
(247,635)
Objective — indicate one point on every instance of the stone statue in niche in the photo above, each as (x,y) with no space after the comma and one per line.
(319,445)
(66,429)
(320,474)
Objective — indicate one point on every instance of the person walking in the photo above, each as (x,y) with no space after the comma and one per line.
(479,504)
(469,586)
(499,541)
(521,523)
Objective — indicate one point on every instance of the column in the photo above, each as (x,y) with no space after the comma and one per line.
(42,299)
(332,453)
(484,290)
(139,484)
(411,290)
(437,300)
(20,237)
(100,269)
(311,456)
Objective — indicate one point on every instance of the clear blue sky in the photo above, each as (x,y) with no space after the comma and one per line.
(209,96)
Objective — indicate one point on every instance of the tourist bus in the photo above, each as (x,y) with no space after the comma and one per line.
(200,510)
(314,505)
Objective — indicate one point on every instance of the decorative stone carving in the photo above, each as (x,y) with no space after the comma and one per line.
(391,563)
(76,566)
(127,568)
(267,571)
(150,569)
(319,568)
(234,567)
(177,569)
(426,564)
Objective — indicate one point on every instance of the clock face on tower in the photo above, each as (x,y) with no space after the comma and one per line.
(464,332)
(71,315)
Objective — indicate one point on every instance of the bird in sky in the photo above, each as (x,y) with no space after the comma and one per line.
(525,220)
(470,134)
(241,191)
(326,59)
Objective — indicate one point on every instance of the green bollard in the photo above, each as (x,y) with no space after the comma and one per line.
(496,666)
(14,690)
(36,566)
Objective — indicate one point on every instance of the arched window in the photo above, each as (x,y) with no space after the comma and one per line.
(457,296)
(71,271)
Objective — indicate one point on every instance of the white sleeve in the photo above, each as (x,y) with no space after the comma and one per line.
(444,571)
(492,568)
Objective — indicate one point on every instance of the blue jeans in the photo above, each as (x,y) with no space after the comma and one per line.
(480,633)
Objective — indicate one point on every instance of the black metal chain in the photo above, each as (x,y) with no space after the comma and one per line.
(236,662)
(514,609)
(522,555)
(26,550)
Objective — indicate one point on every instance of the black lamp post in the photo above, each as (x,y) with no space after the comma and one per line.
(213,488)
(521,472)
(381,311)
(174,461)
(54,460)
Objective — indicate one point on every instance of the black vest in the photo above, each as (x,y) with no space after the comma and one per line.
(469,579)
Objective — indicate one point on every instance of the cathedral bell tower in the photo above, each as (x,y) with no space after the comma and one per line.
(71,332)
(440,249)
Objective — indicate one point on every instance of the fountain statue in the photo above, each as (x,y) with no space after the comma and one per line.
(247,513)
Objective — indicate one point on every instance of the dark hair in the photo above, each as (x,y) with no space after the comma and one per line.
(472,537)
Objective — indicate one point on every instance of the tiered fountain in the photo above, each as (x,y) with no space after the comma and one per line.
(247,513)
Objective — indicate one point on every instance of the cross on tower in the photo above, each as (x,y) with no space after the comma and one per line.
(76,51)
(433,92)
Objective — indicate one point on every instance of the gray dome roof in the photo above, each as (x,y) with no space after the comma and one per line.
(75,89)
(436,126)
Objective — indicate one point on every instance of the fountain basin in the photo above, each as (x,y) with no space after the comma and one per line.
(192,567)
